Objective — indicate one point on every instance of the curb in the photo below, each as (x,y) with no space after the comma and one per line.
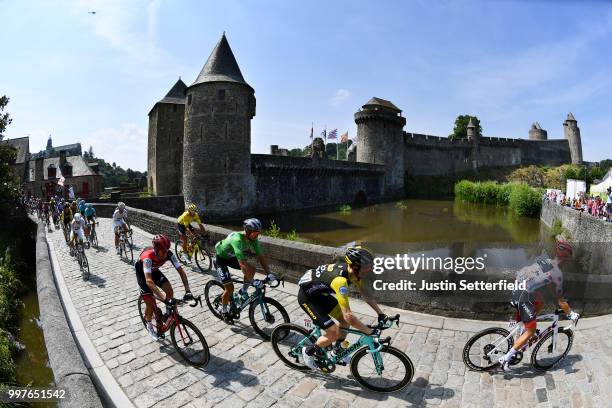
(101,375)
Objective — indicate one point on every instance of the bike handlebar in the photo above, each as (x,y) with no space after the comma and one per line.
(386,324)
(179,302)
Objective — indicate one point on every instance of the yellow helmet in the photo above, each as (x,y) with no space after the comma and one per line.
(192,207)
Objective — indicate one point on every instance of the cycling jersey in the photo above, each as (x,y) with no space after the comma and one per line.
(186,219)
(237,245)
(330,279)
(151,262)
(119,215)
(90,211)
(67,215)
(543,272)
(82,207)
(77,225)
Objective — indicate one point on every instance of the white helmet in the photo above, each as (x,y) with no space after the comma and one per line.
(77,217)
(121,205)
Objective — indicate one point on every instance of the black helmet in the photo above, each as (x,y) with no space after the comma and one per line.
(252,224)
(358,256)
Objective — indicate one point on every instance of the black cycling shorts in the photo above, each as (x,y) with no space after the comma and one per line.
(90,217)
(526,304)
(222,265)
(319,307)
(158,277)
(182,229)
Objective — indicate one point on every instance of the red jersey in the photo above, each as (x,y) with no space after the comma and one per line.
(151,261)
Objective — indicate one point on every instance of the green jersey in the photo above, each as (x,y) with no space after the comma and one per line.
(237,245)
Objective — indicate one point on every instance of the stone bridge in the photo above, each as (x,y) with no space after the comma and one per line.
(243,371)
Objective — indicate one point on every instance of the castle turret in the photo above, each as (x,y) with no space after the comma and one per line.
(472,132)
(537,133)
(380,140)
(165,148)
(473,135)
(217,141)
(572,134)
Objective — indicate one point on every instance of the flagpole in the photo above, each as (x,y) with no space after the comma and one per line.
(311,137)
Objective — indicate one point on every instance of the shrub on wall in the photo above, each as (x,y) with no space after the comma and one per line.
(521,198)
(525,200)
(531,175)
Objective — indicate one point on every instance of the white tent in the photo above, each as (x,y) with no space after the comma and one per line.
(574,188)
(606,182)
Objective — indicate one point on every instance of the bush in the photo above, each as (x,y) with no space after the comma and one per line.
(345,209)
(531,175)
(273,231)
(7,366)
(402,205)
(525,201)
(292,236)
(466,191)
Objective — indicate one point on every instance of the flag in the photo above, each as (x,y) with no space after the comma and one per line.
(344,137)
(61,181)
(324,133)
(311,131)
(333,134)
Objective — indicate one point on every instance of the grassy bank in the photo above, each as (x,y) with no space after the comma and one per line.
(16,259)
(519,197)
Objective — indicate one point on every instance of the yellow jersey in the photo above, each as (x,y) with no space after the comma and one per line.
(186,219)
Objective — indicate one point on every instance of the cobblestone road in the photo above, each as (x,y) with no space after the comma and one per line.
(244,371)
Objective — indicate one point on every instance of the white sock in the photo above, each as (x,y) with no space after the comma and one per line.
(509,354)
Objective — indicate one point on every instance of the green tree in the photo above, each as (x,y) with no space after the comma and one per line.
(9,183)
(297,152)
(461,124)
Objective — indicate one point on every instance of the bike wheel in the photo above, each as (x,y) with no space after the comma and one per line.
(212,293)
(476,348)
(94,239)
(266,315)
(190,343)
(203,259)
(397,369)
(85,266)
(287,341)
(180,252)
(542,357)
(141,309)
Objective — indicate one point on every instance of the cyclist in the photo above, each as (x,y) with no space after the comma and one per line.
(66,218)
(185,223)
(315,297)
(119,221)
(81,204)
(90,216)
(149,277)
(544,272)
(232,252)
(45,213)
(76,230)
(74,207)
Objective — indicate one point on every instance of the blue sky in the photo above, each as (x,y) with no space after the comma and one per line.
(93,78)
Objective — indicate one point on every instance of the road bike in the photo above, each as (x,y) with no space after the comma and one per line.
(389,369)
(482,351)
(93,235)
(126,250)
(264,313)
(186,338)
(79,252)
(198,252)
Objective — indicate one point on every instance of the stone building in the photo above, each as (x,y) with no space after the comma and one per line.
(222,176)
(41,172)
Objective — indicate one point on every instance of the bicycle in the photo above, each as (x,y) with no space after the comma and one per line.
(289,339)
(489,352)
(82,259)
(214,290)
(124,245)
(198,251)
(93,236)
(195,351)
(56,220)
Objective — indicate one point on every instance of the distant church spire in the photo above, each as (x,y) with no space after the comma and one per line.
(49,143)
(221,65)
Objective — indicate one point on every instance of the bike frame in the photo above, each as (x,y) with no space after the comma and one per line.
(373,344)
(554,327)
(173,318)
(255,297)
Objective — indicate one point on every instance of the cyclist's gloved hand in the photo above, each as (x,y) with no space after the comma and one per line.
(257,283)
(382,319)
(272,278)
(573,316)
(170,302)
(375,332)
(188,296)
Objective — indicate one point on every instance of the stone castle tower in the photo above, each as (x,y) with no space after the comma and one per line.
(380,140)
(571,132)
(537,133)
(473,136)
(217,136)
(165,149)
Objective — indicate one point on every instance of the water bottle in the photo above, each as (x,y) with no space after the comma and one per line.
(338,348)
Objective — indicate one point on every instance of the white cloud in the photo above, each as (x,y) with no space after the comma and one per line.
(126,145)
(340,96)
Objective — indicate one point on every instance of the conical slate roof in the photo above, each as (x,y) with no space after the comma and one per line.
(381,102)
(176,94)
(570,116)
(471,124)
(221,66)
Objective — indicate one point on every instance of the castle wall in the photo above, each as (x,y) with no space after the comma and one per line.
(435,155)
(289,183)
(166,148)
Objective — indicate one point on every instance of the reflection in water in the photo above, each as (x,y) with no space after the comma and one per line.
(419,221)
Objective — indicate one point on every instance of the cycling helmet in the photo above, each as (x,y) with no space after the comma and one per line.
(161,241)
(358,256)
(74,203)
(564,249)
(192,208)
(121,205)
(77,217)
(89,205)
(252,224)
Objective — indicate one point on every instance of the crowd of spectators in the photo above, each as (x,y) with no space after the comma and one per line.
(593,205)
